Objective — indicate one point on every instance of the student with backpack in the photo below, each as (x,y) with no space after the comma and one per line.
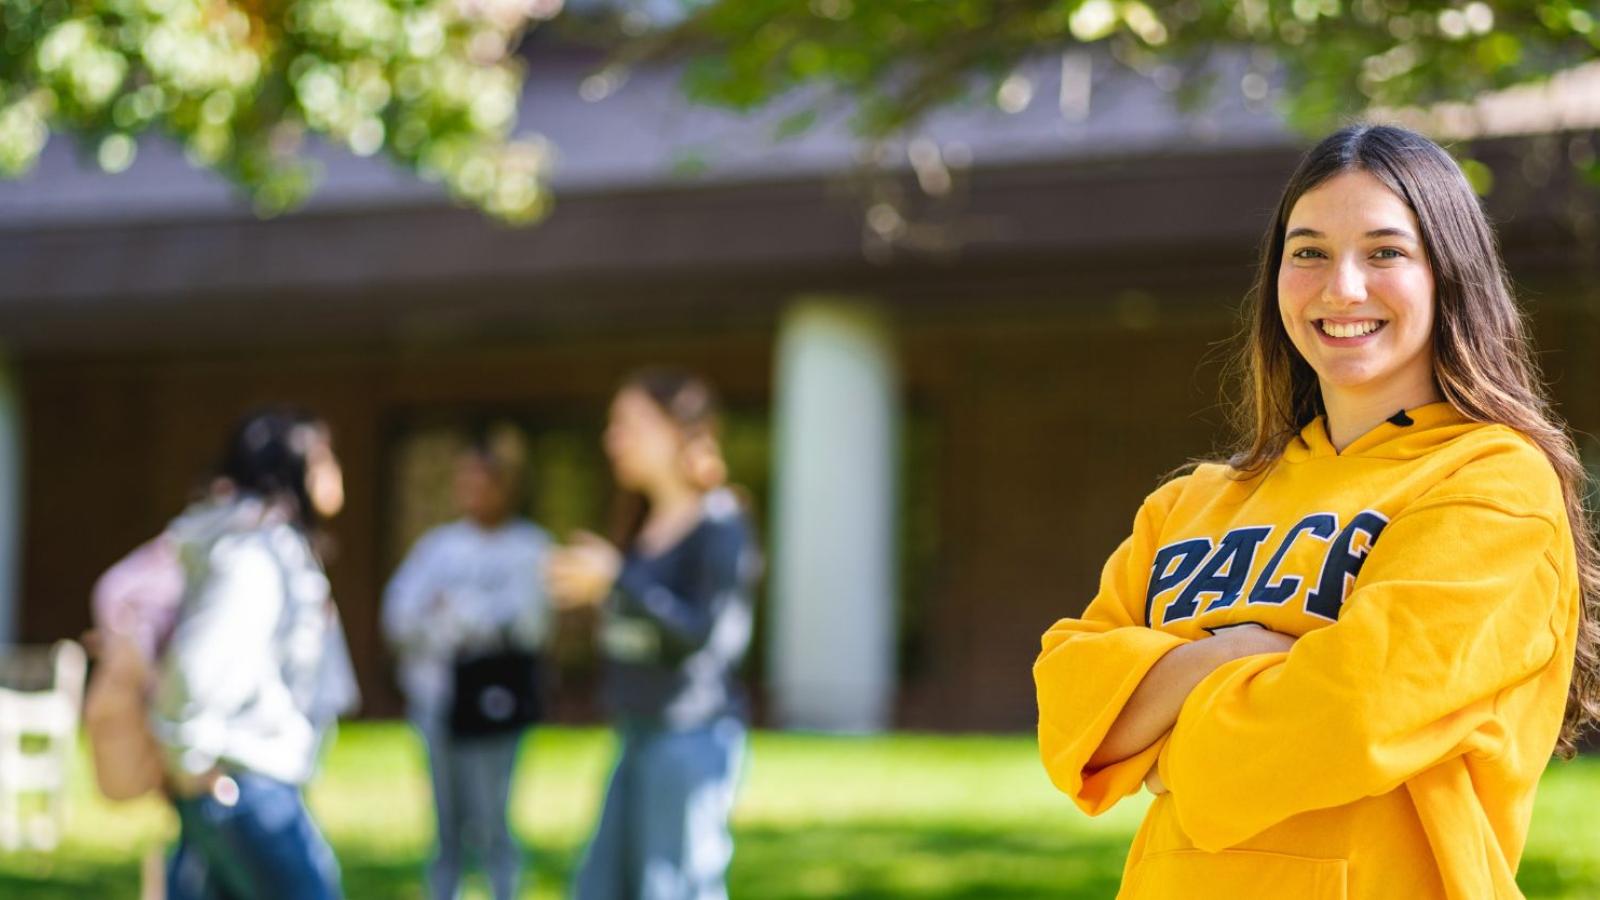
(225,628)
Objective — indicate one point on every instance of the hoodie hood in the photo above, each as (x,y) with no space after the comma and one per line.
(1408,434)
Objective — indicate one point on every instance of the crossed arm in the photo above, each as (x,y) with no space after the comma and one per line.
(1429,659)
(1153,709)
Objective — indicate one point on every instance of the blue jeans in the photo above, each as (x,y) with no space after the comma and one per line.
(471,790)
(263,846)
(663,833)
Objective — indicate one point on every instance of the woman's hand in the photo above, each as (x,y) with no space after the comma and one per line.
(581,573)
(1250,638)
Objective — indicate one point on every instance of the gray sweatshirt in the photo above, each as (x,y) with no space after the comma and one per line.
(463,589)
(257,669)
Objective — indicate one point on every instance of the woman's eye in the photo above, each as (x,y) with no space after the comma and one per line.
(1307,253)
(1389,253)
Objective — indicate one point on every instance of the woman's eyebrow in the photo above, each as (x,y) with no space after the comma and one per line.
(1374,233)
(1391,232)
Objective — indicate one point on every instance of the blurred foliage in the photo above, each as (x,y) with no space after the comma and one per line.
(901,58)
(242,84)
(433,84)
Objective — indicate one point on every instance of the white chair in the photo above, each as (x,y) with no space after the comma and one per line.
(41,696)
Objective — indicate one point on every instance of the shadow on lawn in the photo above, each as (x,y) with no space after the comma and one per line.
(922,861)
(1544,878)
(859,862)
(30,877)
(366,877)
(387,878)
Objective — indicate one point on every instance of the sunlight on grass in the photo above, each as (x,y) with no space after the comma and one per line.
(913,816)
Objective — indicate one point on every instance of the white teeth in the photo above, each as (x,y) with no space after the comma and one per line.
(1350,329)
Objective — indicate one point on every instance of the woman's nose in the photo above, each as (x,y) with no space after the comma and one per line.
(1347,285)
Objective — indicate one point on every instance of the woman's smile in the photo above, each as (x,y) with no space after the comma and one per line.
(1349,332)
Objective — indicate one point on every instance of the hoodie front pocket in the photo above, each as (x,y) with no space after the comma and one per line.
(1234,875)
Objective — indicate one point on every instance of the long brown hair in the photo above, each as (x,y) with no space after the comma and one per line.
(1482,358)
(691,403)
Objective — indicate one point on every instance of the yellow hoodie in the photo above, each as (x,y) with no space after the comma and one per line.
(1429,572)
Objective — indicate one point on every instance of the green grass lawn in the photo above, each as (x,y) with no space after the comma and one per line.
(935,818)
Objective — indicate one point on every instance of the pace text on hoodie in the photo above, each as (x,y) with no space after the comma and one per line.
(1429,573)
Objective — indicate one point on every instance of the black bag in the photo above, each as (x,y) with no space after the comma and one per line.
(495,693)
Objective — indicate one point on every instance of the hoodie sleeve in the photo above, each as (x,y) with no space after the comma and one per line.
(530,622)
(1461,599)
(1091,665)
(408,601)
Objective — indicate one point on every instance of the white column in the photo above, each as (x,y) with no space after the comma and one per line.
(10,504)
(832,633)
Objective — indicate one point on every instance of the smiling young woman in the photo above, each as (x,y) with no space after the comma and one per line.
(1355,292)
(1341,657)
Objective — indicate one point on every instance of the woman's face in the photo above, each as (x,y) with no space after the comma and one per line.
(324,478)
(643,444)
(480,491)
(1356,290)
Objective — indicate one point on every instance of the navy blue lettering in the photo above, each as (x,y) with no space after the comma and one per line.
(1320,525)
(1344,562)
(1223,574)
(1173,564)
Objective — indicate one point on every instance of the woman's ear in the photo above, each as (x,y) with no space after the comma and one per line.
(702,463)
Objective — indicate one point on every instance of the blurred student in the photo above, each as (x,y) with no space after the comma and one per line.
(255,670)
(467,615)
(675,605)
